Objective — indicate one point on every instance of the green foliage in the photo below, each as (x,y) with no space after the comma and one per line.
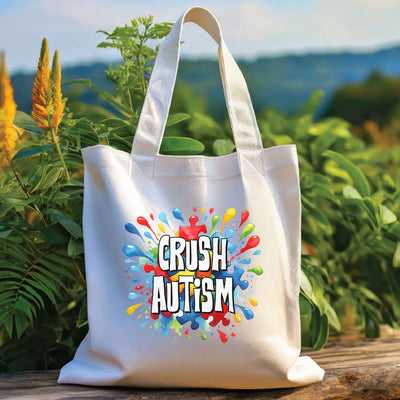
(350,199)
(377,99)
(349,226)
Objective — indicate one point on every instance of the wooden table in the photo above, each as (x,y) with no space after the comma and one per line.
(355,369)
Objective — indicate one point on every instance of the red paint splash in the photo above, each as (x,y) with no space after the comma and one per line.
(143,221)
(194,209)
(157,270)
(139,287)
(245,215)
(251,243)
(211,210)
(233,334)
(187,331)
(152,216)
(223,336)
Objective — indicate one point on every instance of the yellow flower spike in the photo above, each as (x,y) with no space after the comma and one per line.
(55,104)
(8,108)
(40,86)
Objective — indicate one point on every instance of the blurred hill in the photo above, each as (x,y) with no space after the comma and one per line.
(283,83)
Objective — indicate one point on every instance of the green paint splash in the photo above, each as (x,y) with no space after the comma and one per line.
(247,230)
(215,220)
(257,270)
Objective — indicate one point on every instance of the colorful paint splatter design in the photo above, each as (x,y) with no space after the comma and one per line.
(143,267)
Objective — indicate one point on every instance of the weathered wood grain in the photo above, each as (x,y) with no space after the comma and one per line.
(354,370)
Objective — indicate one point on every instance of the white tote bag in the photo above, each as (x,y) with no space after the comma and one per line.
(192,262)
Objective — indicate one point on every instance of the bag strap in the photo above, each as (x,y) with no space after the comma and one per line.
(153,118)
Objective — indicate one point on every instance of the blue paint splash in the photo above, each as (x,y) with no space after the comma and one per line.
(163,218)
(177,213)
(132,229)
(133,251)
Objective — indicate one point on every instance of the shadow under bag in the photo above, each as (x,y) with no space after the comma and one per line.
(192,262)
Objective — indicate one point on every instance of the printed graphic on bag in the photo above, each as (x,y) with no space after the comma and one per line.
(197,273)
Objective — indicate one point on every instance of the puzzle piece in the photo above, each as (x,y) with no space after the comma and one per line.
(231,246)
(237,275)
(193,231)
(189,316)
(218,317)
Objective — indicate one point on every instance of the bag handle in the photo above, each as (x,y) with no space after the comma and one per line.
(153,118)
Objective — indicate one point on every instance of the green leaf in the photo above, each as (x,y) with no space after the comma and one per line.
(305,319)
(321,334)
(222,147)
(32,151)
(322,221)
(387,216)
(9,324)
(350,193)
(82,316)
(75,247)
(181,146)
(177,118)
(115,123)
(323,142)
(396,257)
(11,202)
(70,226)
(359,180)
(26,122)
(312,103)
(306,286)
(20,323)
(372,321)
(328,310)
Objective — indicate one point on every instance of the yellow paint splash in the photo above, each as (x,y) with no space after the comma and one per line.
(237,317)
(133,308)
(253,302)
(161,226)
(202,210)
(229,215)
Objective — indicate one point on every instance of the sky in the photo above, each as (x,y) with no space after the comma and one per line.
(251,28)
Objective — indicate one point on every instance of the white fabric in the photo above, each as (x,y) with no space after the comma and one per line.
(254,192)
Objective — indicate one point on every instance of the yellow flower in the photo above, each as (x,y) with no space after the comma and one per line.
(8,108)
(55,103)
(40,87)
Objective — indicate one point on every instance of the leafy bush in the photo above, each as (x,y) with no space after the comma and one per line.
(349,195)
(372,107)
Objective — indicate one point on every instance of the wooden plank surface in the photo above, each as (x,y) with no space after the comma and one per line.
(354,370)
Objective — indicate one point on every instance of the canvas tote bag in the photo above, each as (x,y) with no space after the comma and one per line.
(192,262)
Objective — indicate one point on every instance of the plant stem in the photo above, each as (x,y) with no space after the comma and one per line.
(55,141)
(18,180)
(139,61)
(127,85)
(79,274)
